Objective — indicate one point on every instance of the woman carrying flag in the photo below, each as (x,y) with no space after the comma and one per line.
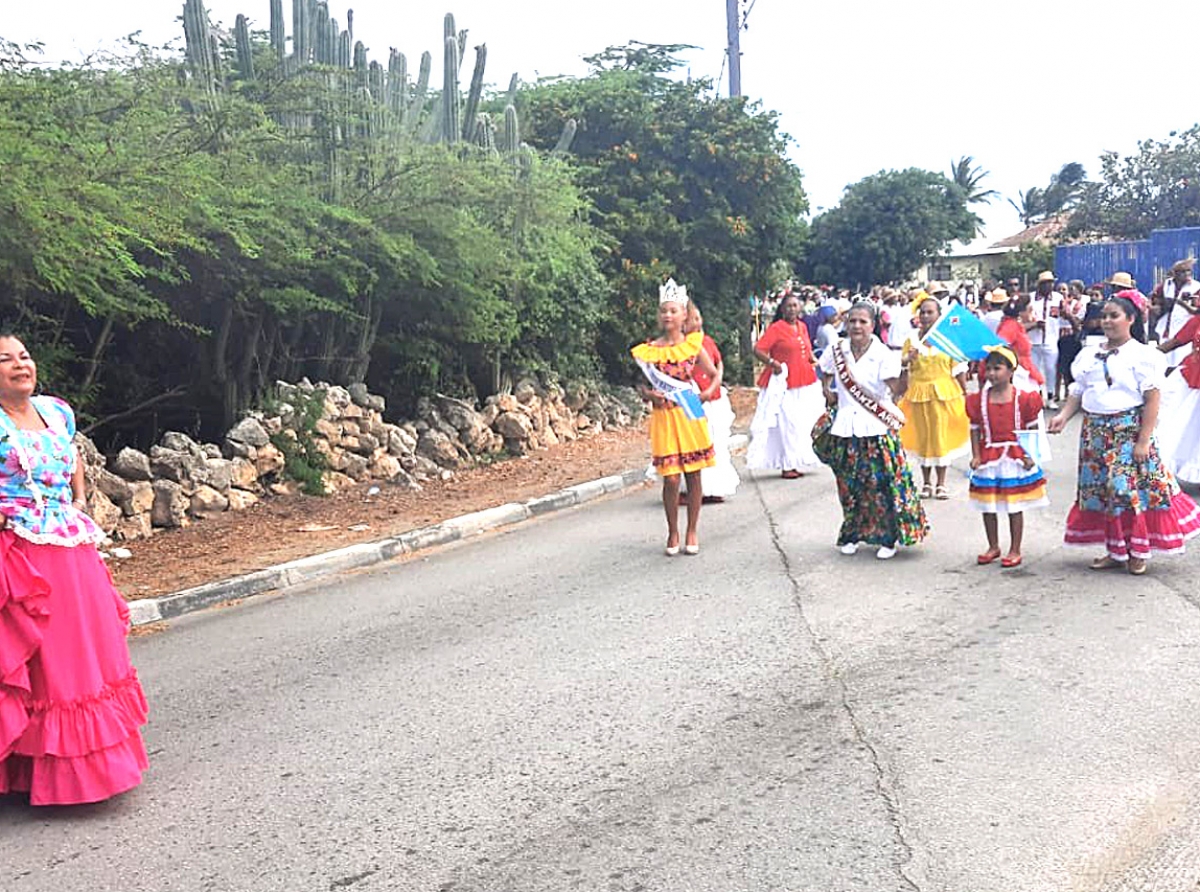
(936,430)
(679,437)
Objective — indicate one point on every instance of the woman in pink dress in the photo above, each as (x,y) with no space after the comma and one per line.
(70,702)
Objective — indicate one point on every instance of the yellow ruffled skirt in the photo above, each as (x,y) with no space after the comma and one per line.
(679,444)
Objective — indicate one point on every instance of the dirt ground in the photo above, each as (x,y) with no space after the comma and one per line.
(284,528)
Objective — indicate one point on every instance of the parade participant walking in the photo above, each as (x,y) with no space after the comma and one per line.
(70,702)
(721,480)
(781,432)
(994,308)
(1126,499)
(1005,478)
(1175,299)
(1011,330)
(1178,430)
(880,505)
(936,430)
(679,439)
(1043,327)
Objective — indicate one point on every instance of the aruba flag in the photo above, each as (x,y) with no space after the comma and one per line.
(961,335)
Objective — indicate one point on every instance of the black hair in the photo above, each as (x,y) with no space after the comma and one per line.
(1000,356)
(1016,305)
(1131,311)
(782,301)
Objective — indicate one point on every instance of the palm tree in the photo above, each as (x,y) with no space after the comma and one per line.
(1064,188)
(1032,207)
(965,174)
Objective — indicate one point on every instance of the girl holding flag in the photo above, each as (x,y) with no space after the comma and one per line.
(936,430)
(679,435)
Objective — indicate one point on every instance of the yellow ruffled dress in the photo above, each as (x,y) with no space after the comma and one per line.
(680,445)
(937,430)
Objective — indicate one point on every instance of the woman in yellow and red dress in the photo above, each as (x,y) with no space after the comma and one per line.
(681,444)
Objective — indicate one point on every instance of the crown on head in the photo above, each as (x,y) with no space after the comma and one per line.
(672,292)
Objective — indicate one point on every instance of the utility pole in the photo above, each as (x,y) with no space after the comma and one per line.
(734,25)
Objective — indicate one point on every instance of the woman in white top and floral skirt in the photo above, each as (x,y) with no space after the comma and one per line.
(1126,500)
(880,505)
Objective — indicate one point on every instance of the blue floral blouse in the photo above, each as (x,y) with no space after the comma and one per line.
(35,478)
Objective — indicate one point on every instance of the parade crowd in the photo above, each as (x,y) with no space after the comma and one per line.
(865,384)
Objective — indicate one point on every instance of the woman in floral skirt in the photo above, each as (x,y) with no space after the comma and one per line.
(1126,500)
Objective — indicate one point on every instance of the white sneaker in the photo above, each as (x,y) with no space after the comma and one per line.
(849,548)
(886,552)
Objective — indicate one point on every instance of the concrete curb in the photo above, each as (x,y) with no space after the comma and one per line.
(353,557)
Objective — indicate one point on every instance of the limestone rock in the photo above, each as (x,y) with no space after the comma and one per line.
(216,472)
(179,467)
(359,393)
(339,396)
(141,499)
(399,442)
(211,450)
(326,428)
(269,461)
(102,510)
(513,426)
(526,391)
(385,467)
(240,500)
(243,474)
(335,481)
(132,465)
(250,432)
(206,500)
(357,467)
(170,505)
(118,490)
(233,449)
(178,442)
(129,529)
(438,448)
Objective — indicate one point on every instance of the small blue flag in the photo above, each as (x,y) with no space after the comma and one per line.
(961,335)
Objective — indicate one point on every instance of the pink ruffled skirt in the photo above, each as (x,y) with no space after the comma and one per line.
(71,705)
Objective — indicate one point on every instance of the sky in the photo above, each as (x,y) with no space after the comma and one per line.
(1023,86)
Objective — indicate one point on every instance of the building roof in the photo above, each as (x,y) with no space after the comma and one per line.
(1038,232)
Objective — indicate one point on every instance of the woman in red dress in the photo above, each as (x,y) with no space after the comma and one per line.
(790,399)
(1012,331)
(1179,420)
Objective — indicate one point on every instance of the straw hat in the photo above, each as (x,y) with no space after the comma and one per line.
(1183,266)
(1046,276)
(999,297)
(1122,280)
(936,288)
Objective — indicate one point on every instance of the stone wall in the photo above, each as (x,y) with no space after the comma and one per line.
(133,493)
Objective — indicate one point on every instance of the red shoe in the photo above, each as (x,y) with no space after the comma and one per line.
(988,557)
(791,475)
(1012,560)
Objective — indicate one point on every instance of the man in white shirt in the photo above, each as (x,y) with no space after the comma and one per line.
(1177,296)
(994,306)
(1046,306)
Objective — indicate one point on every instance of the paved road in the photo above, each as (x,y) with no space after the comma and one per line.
(563,708)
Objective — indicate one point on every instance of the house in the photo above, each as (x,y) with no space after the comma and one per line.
(977,261)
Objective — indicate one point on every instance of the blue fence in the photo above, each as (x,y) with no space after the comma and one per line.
(1147,260)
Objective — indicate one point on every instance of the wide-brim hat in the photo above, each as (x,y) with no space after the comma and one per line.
(999,296)
(1183,266)
(936,288)
(1046,276)
(1122,280)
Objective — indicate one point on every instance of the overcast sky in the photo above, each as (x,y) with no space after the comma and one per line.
(1023,86)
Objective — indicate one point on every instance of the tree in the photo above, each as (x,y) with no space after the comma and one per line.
(965,174)
(1031,205)
(1059,196)
(685,185)
(1157,187)
(886,226)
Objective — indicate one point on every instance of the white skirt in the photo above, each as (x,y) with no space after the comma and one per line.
(1023,381)
(721,480)
(1178,431)
(781,433)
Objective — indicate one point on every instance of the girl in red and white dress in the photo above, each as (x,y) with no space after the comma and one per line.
(1179,421)
(1005,477)
(720,481)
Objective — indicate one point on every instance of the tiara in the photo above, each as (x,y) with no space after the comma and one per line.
(672,292)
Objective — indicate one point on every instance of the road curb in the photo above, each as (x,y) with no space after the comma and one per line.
(353,557)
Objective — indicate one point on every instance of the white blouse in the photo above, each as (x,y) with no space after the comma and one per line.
(1133,368)
(872,372)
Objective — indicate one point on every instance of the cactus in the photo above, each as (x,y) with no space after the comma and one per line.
(476,91)
(413,116)
(278,30)
(199,54)
(344,56)
(485,133)
(245,52)
(449,29)
(512,131)
(432,129)
(451,100)
(397,84)
(375,83)
(360,65)
(322,50)
(300,31)
(568,137)
(513,86)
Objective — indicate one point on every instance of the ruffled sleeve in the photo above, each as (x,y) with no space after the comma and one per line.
(1029,403)
(688,348)
(974,413)
(1149,368)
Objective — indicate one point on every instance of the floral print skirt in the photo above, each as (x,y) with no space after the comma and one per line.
(1132,508)
(880,505)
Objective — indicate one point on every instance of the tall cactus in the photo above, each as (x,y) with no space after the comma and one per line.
(512,131)
(413,116)
(360,65)
(568,136)
(485,133)
(199,54)
(513,86)
(345,58)
(475,93)
(451,100)
(449,29)
(397,85)
(300,31)
(278,30)
(245,52)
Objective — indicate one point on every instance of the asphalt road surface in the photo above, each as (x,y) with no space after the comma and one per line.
(563,708)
